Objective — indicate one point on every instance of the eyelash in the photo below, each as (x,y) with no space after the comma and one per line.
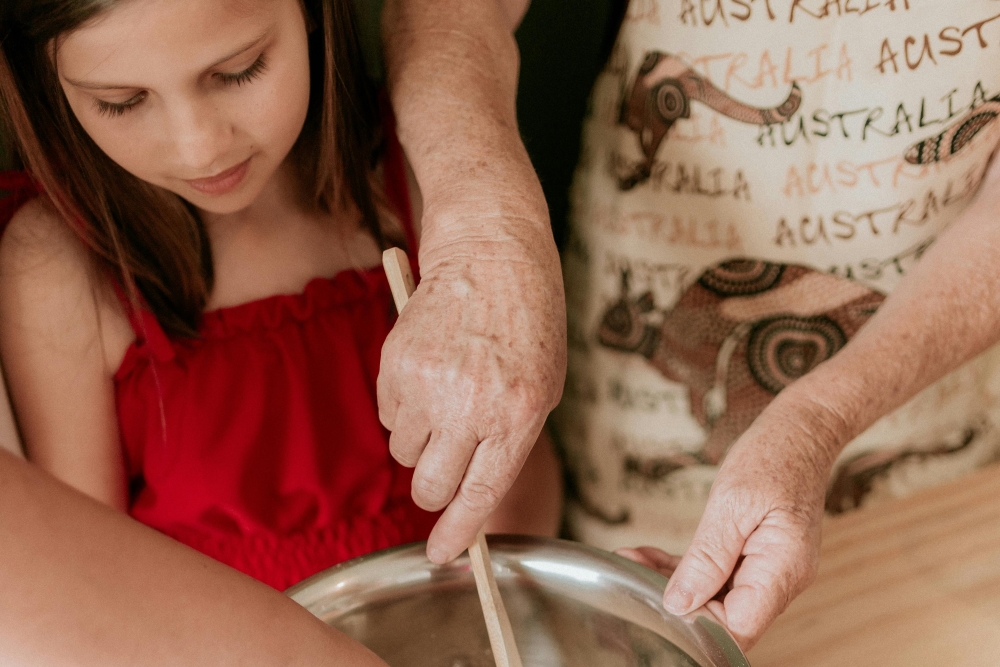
(247,75)
(113,110)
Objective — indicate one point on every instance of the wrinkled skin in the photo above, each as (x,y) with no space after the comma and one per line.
(477,360)
(474,397)
(757,545)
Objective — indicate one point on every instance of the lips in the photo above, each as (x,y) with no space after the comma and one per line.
(223,182)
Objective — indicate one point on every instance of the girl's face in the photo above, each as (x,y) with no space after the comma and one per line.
(204,98)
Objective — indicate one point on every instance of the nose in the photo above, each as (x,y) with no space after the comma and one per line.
(202,137)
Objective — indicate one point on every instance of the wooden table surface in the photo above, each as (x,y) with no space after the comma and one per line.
(911,583)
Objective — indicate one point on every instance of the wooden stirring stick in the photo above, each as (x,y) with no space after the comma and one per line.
(397,270)
(497,622)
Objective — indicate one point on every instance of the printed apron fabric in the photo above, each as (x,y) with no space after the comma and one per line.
(756,177)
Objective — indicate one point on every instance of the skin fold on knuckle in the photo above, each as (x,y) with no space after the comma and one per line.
(402,453)
(786,575)
(705,563)
(479,498)
(432,493)
(506,445)
(403,458)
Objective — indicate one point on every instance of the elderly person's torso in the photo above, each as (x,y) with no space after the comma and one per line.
(755,178)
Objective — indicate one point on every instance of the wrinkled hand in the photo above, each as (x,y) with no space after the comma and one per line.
(470,372)
(478,358)
(757,546)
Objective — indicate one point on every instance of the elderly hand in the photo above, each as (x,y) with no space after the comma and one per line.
(478,358)
(469,374)
(653,558)
(757,546)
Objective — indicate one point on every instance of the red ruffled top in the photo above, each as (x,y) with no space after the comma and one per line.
(259,442)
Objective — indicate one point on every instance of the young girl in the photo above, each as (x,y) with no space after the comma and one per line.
(174,343)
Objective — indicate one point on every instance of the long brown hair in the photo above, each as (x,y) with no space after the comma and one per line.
(152,240)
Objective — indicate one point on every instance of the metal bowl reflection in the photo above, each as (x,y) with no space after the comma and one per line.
(570,606)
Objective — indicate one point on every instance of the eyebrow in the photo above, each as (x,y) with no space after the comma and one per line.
(238,52)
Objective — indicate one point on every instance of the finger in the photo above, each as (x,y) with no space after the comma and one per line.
(410,437)
(490,475)
(782,564)
(388,400)
(664,561)
(636,556)
(653,558)
(441,468)
(708,562)
(718,610)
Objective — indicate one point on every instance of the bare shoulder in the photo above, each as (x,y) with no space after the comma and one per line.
(35,237)
(51,289)
(40,256)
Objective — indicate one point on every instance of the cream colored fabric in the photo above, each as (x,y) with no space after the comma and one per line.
(825,143)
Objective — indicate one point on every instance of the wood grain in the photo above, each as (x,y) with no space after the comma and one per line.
(505,654)
(397,270)
(905,584)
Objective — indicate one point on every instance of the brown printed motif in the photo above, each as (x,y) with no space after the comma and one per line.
(663,92)
(958,135)
(883,116)
(742,333)
(856,476)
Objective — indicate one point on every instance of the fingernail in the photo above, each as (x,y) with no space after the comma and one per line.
(437,555)
(677,600)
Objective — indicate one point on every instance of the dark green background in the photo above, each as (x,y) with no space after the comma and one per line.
(564,44)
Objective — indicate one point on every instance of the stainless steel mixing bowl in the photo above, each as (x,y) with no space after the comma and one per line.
(570,606)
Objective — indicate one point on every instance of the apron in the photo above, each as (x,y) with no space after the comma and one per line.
(756,176)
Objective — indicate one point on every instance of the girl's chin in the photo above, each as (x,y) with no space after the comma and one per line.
(227,204)
(221,205)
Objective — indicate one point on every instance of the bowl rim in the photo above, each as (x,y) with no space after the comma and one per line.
(708,632)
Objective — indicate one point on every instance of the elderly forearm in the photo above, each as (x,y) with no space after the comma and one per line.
(85,585)
(941,315)
(452,68)
(478,359)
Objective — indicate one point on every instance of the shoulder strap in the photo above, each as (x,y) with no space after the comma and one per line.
(145,326)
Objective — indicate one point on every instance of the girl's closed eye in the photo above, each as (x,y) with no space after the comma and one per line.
(119,108)
(114,109)
(246,76)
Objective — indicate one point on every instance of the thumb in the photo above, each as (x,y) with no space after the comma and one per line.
(708,562)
